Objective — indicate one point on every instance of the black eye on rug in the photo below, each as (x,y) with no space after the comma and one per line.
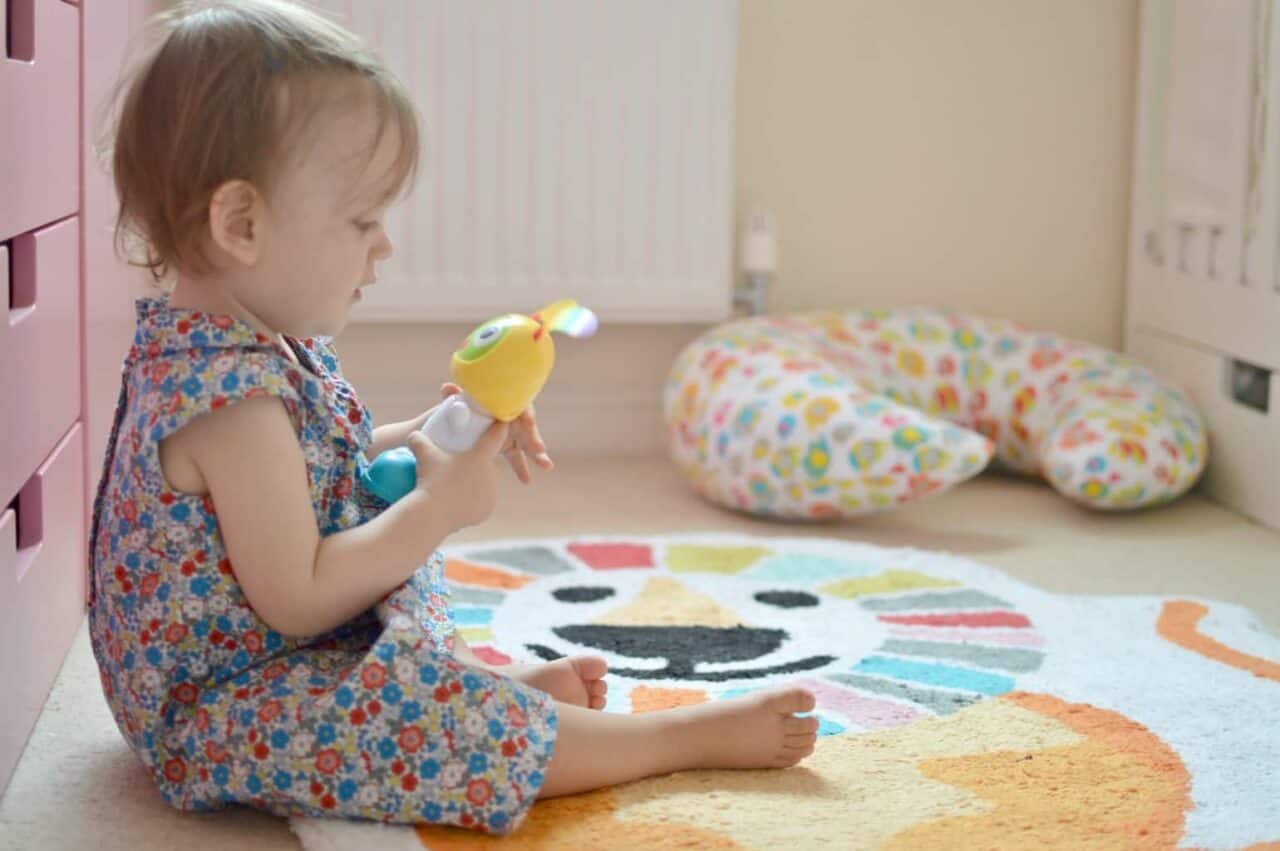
(582,594)
(787,599)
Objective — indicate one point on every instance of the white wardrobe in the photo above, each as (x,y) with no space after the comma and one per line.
(1204,260)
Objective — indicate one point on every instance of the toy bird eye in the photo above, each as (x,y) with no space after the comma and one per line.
(482,340)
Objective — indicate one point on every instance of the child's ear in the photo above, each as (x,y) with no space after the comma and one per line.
(235,220)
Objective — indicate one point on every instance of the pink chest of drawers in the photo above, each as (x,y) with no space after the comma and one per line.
(63,329)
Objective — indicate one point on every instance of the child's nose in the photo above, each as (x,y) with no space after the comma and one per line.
(382,248)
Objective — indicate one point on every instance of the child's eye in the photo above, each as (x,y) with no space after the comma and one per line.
(364,227)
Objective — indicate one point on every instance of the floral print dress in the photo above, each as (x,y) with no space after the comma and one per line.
(373,720)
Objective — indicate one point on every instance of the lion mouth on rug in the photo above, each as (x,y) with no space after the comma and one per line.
(684,648)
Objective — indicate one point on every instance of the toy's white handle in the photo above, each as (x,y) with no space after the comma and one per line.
(456,424)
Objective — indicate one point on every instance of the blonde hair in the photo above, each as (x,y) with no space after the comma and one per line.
(218,97)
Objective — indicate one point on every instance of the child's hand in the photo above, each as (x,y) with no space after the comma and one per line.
(464,486)
(524,444)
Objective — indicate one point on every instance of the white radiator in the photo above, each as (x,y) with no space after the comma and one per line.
(1204,260)
(573,148)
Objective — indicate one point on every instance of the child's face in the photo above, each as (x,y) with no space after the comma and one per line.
(322,231)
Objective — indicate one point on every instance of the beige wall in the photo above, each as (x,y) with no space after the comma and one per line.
(972,153)
(965,152)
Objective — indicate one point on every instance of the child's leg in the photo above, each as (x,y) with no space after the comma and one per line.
(594,749)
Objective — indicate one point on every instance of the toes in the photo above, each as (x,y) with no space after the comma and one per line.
(792,700)
(790,756)
(800,742)
(798,726)
(589,667)
(597,688)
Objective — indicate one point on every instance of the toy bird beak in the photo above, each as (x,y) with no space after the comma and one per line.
(537,317)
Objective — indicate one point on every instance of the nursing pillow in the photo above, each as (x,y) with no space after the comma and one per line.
(846,413)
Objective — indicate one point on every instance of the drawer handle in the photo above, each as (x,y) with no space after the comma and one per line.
(28,509)
(20,41)
(22,276)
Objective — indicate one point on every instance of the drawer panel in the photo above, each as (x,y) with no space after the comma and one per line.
(42,590)
(39,114)
(39,348)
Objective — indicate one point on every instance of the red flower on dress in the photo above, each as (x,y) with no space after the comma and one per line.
(373,676)
(327,761)
(185,693)
(175,770)
(479,792)
(215,751)
(411,739)
(175,632)
(270,711)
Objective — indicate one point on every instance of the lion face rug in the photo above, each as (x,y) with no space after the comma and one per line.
(959,708)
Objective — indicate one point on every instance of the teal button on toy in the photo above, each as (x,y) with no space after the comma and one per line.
(392,474)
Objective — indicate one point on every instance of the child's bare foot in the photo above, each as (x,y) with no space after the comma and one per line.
(757,730)
(577,680)
(754,731)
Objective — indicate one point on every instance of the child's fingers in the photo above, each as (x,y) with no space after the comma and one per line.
(424,451)
(530,440)
(519,465)
(493,439)
(448,389)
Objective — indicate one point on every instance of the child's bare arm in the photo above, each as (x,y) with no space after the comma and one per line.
(391,435)
(249,461)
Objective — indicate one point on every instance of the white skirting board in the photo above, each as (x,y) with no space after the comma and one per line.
(1244,444)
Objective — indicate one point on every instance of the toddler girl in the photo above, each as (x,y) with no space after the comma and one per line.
(267,633)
